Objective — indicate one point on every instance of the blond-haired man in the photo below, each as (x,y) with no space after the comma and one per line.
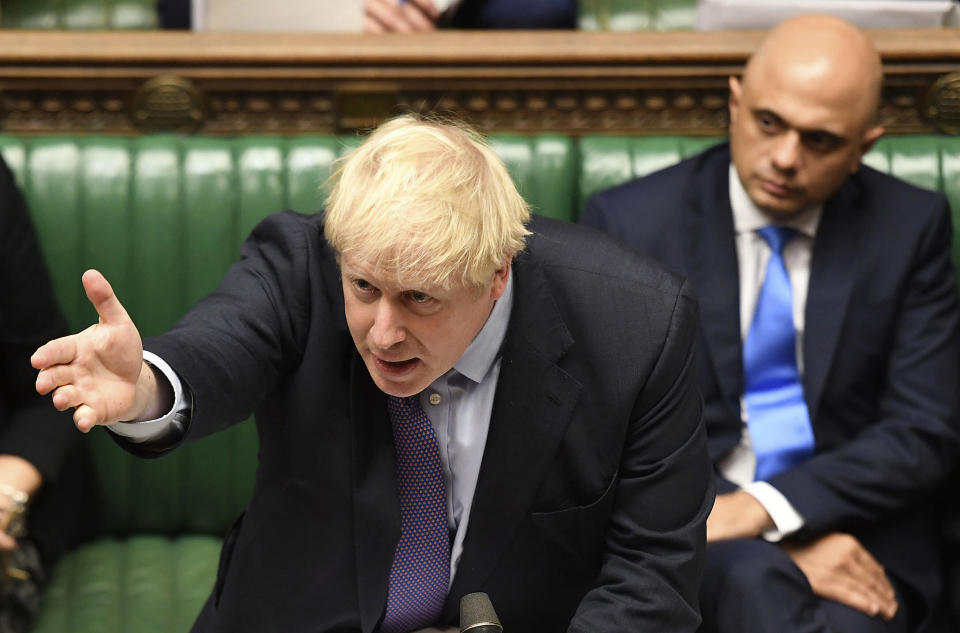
(442,407)
(829,355)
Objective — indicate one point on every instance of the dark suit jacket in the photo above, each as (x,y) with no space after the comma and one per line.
(595,482)
(65,510)
(880,345)
(510,14)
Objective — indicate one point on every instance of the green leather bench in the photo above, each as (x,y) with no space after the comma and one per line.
(163,216)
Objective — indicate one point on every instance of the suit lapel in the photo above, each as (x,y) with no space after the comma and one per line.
(833,268)
(532,407)
(712,268)
(376,511)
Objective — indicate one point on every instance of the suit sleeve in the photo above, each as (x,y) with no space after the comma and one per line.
(914,444)
(652,564)
(233,347)
(30,427)
(600,214)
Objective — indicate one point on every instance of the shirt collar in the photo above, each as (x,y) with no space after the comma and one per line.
(480,355)
(747,217)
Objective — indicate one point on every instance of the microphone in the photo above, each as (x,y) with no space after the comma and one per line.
(477,614)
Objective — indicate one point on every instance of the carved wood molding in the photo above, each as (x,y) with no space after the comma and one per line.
(568,82)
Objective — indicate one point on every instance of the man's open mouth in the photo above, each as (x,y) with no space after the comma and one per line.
(397,366)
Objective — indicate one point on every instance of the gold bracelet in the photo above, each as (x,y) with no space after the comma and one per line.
(17,509)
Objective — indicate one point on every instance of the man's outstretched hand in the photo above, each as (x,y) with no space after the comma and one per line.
(99,371)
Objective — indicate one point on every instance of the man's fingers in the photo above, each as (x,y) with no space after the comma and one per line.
(387,14)
(879,586)
(866,595)
(53,377)
(840,568)
(6,542)
(66,397)
(57,352)
(869,574)
(101,295)
(416,18)
(372,26)
(851,594)
(874,574)
(428,8)
(857,586)
(85,418)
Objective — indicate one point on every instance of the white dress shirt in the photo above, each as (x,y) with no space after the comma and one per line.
(458,404)
(753,255)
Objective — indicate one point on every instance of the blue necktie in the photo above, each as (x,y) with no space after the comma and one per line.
(420,573)
(777,415)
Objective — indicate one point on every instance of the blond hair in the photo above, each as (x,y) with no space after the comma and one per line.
(429,201)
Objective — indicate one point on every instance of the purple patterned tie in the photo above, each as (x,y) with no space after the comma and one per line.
(421,563)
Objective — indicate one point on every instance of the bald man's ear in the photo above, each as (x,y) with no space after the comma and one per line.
(735,91)
(869,138)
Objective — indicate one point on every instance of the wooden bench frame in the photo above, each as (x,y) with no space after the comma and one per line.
(569,82)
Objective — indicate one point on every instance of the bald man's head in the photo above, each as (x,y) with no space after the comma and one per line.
(804,112)
(823,53)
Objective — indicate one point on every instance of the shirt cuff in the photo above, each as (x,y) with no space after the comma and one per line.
(785,518)
(168,426)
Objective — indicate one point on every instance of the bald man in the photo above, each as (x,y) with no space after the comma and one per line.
(828,357)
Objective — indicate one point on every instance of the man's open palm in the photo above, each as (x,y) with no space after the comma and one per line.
(99,370)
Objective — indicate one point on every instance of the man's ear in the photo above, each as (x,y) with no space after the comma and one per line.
(869,138)
(500,278)
(734,104)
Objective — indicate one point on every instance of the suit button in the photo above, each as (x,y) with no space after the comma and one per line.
(435,398)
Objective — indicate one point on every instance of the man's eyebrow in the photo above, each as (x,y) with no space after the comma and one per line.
(766,112)
(833,136)
(803,131)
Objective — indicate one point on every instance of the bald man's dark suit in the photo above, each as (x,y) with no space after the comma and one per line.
(595,480)
(880,346)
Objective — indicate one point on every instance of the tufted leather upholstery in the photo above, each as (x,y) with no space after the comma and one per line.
(79,14)
(637,15)
(162,217)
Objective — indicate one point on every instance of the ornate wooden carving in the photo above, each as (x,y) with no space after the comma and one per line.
(568,82)
(943,104)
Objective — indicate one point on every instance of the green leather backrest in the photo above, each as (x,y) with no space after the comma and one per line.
(927,161)
(637,15)
(606,161)
(163,217)
(79,14)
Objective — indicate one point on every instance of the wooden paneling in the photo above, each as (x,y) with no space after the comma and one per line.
(570,82)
